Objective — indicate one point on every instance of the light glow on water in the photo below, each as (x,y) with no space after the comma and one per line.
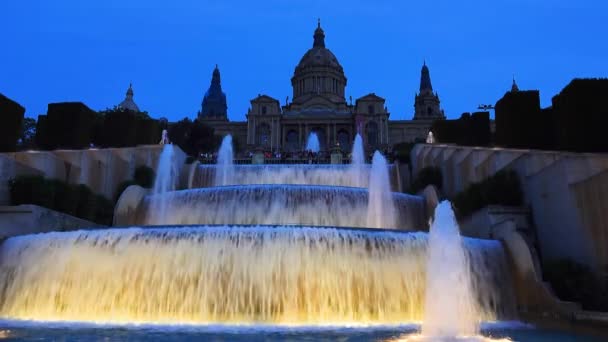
(231,275)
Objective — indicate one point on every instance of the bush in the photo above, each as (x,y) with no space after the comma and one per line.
(31,190)
(66,197)
(572,281)
(105,210)
(119,129)
(469,130)
(66,125)
(75,200)
(503,188)
(144,176)
(87,203)
(11,114)
(427,176)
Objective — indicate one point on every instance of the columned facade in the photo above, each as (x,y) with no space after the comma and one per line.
(318,105)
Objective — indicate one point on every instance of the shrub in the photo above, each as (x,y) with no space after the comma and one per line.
(119,129)
(503,188)
(87,204)
(105,210)
(575,282)
(76,200)
(66,197)
(11,114)
(31,190)
(427,176)
(66,125)
(144,176)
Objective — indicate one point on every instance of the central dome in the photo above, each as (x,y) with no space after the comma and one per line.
(318,56)
(318,74)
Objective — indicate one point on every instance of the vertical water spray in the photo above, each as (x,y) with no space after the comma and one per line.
(312,144)
(380,208)
(224,173)
(167,175)
(450,305)
(358,162)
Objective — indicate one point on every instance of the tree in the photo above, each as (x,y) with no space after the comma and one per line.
(193,137)
(28,134)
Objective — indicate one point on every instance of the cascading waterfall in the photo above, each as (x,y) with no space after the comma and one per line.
(358,163)
(272,275)
(302,174)
(284,204)
(381,208)
(224,172)
(312,144)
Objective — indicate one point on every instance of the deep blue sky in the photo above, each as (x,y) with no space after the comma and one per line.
(89,51)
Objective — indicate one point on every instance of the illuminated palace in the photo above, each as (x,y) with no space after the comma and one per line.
(318,105)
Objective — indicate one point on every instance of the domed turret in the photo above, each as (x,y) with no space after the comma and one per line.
(318,73)
(214,102)
(128,103)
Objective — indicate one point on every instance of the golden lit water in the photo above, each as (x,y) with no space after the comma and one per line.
(244,275)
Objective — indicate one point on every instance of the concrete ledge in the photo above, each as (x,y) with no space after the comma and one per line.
(531,292)
(126,208)
(31,219)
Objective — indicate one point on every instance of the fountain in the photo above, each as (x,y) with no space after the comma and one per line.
(167,175)
(312,144)
(380,207)
(358,162)
(450,307)
(224,172)
(354,175)
(227,274)
(307,254)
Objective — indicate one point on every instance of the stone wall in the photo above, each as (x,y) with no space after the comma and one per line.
(100,169)
(32,219)
(563,190)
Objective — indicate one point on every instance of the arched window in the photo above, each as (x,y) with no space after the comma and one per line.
(263,109)
(370,109)
(263,135)
(429,111)
(371,132)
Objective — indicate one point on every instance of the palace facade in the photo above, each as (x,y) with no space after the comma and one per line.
(318,104)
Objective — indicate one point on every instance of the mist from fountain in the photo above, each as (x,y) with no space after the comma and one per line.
(312,143)
(224,172)
(381,208)
(357,163)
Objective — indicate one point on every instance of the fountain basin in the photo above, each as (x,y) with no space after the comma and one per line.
(304,174)
(233,275)
(277,204)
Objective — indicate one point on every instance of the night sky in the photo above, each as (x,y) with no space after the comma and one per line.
(89,51)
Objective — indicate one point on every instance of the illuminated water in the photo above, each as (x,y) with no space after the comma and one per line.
(312,143)
(281,204)
(237,275)
(358,168)
(224,173)
(381,211)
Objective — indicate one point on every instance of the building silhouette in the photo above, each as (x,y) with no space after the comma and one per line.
(318,104)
